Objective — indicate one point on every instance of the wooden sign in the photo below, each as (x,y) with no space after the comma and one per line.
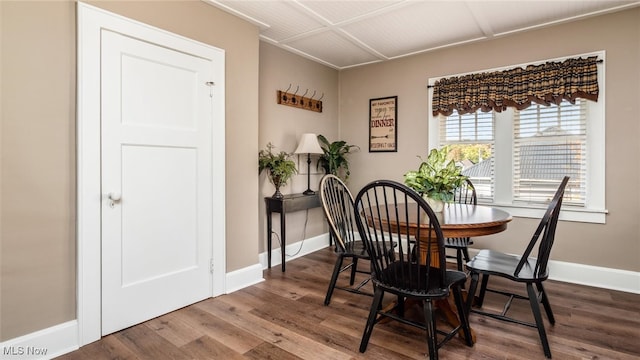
(383,117)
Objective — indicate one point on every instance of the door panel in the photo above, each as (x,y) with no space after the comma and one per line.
(153,218)
(156,164)
(165,106)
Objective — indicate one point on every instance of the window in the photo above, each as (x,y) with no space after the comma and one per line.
(550,142)
(516,159)
(470,138)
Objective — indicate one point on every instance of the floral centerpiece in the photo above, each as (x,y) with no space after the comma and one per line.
(278,165)
(436,179)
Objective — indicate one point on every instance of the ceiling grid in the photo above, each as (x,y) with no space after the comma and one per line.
(348,33)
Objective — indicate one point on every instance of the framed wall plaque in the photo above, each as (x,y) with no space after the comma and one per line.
(383,124)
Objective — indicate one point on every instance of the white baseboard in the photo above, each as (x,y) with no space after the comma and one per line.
(244,277)
(296,250)
(43,344)
(596,276)
(250,275)
(606,278)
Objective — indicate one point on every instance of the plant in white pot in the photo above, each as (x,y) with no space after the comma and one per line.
(436,179)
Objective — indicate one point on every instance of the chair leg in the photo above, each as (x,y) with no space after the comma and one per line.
(459,258)
(463,314)
(535,308)
(400,306)
(354,269)
(545,302)
(472,291)
(465,253)
(483,289)
(371,321)
(334,278)
(430,325)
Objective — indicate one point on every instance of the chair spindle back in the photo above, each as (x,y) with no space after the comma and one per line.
(400,231)
(337,203)
(545,233)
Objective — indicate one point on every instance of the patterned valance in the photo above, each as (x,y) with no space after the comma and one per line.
(544,84)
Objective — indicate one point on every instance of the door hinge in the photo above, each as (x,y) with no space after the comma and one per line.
(210,84)
(211,266)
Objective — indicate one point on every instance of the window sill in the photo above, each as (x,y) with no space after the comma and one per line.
(568,213)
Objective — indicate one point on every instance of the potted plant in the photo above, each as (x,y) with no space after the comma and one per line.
(436,179)
(334,160)
(279,167)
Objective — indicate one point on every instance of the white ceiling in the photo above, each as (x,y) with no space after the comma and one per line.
(348,33)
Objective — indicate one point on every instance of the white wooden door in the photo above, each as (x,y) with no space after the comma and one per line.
(156,180)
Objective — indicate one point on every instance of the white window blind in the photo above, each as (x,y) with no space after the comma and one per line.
(550,142)
(470,138)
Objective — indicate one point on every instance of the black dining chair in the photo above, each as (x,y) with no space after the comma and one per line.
(387,209)
(523,269)
(337,204)
(465,194)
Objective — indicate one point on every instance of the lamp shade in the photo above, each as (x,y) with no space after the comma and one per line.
(309,145)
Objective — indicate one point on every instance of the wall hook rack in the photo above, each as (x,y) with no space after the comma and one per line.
(300,101)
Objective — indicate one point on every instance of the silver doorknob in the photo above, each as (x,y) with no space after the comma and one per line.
(114,196)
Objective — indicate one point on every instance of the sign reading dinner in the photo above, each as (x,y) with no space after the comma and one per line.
(382,124)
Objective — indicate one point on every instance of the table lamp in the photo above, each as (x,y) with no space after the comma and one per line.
(309,145)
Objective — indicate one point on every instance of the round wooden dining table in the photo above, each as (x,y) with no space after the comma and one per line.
(456,220)
(463,220)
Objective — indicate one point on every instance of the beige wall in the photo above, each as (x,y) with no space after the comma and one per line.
(37,147)
(37,152)
(282,126)
(614,245)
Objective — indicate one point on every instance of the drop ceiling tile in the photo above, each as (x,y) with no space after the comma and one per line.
(333,49)
(283,18)
(422,25)
(339,11)
(525,14)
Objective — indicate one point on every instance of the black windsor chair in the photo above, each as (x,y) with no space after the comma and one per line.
(386,209)
(337,203)
(526,269)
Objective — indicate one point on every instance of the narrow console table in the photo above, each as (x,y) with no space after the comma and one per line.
(289,203)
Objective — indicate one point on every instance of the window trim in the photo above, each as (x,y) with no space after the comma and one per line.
(594,210)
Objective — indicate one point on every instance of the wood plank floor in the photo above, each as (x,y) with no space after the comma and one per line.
(284,318)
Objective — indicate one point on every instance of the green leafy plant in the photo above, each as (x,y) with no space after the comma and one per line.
(334,160)
(437,177)
(278,165)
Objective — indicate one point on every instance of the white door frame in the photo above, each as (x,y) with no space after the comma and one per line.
(91,21)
